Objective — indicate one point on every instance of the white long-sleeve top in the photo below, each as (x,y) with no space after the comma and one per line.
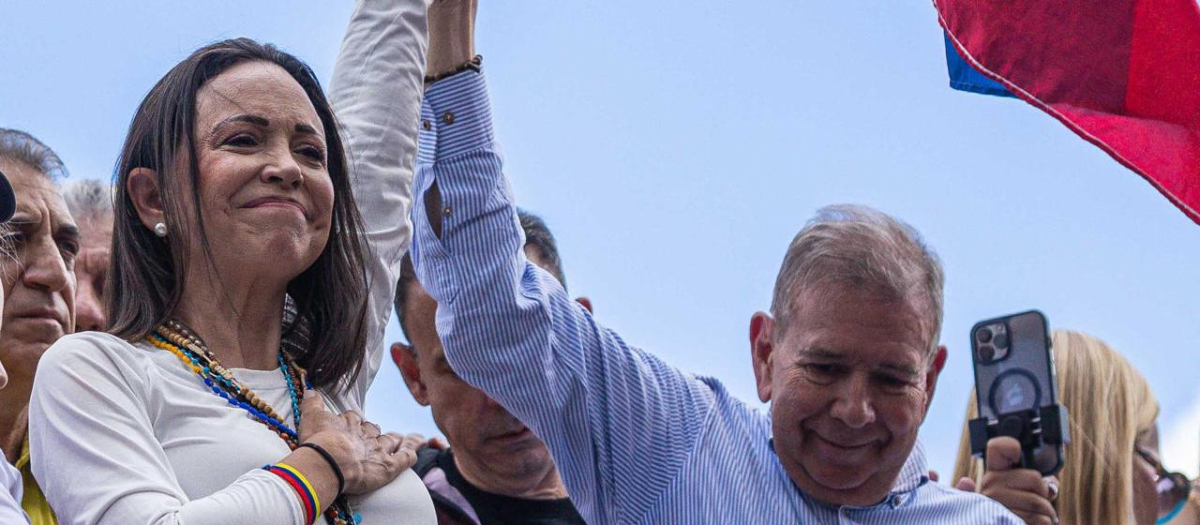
(10,495)
(124,434)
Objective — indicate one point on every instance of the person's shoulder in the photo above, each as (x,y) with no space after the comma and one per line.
(730,406)
(967,507)
(429,458)
(91,349)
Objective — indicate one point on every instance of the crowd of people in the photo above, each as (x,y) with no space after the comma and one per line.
(193,343)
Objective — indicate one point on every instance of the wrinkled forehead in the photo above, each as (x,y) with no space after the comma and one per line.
(858,323)
(95,230)
(254,88)
(36,194)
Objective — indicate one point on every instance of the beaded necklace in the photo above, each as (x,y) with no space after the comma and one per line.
(173,337)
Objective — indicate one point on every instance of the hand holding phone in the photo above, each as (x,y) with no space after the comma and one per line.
(1016,390)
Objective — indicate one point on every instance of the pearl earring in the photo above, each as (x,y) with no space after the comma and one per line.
(160,229)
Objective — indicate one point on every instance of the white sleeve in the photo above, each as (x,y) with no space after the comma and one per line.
(98,461)
(376,96)
(10,495)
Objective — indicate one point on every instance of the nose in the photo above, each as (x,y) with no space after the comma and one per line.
(853,405)
(45,268)
(283,170)
(89,309)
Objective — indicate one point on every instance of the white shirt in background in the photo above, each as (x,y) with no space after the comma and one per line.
(10,494)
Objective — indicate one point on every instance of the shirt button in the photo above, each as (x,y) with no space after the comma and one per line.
(426,125)
(897,501)
(448,117)
(447,210)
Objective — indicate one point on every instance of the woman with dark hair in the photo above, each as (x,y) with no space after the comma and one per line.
(234,204)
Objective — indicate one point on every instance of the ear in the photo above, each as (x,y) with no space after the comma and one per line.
(146,195)
(587,303)
(405,358)
(762,347)
(931,376)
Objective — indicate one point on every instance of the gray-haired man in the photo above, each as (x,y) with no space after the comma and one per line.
(91,204)
(848,358)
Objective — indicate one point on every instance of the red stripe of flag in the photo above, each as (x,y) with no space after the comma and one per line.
(1123,74)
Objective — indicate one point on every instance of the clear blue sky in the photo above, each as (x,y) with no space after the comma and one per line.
(675,147)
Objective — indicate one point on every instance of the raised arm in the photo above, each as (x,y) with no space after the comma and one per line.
(618,421)
(376,94)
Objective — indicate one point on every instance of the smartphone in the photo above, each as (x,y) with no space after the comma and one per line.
(1015,387)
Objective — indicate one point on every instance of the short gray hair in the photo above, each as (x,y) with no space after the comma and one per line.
(89,197)
(22,147)
(857,246)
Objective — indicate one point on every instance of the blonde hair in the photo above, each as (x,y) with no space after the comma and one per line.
(1109,405)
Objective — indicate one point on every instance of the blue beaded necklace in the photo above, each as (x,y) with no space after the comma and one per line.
(192,352)
(233,392)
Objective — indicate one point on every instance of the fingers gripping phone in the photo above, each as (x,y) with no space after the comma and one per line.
(1016,390)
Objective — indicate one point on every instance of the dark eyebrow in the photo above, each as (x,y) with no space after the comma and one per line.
(68,232)
(20,219)
(823,353)
(306,129)
(251,119)
(900,369)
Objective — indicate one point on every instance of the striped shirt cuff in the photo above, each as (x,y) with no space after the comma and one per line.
(456,116)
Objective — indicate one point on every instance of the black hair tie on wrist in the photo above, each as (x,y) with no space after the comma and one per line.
(474,64)
(337,471)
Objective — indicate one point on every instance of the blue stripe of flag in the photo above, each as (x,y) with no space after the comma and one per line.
(963,77)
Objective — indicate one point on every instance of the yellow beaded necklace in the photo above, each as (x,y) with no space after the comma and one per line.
(174,337)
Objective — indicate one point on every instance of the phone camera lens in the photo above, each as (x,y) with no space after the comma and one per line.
(984,335)
(1001,340)
(987,353)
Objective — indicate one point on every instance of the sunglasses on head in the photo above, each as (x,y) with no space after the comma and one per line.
(1173,488)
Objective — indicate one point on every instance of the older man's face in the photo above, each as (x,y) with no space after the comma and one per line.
(849,382)
(91,268)
(39,284)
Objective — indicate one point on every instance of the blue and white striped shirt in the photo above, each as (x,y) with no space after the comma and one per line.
(636,440)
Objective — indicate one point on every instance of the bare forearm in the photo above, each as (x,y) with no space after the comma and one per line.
(451,35)
(318,472)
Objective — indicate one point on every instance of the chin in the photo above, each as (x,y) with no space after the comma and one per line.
(838,491)
(32,338)
(836,484)
(284,255)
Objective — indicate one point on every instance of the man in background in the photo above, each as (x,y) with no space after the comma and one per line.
(496,470)
(91,204)
(39,289)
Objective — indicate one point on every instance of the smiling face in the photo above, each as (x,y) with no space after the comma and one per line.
(264,186)
(39,283)
(849,381)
